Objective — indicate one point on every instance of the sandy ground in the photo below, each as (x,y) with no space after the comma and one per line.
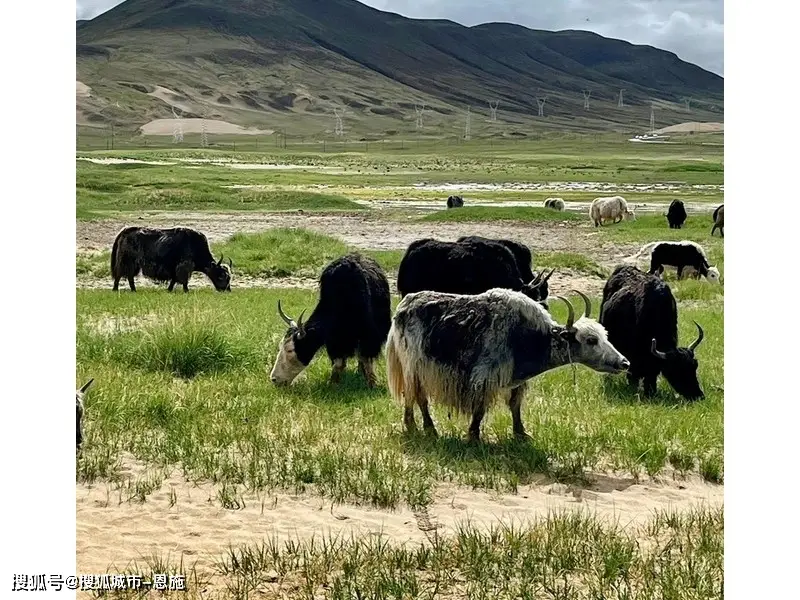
(113,532)
(369,232)
(167,127)
(693,127)
(82,90)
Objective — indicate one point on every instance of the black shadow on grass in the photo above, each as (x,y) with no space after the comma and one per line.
(351,389)
(616,389)
(508,455)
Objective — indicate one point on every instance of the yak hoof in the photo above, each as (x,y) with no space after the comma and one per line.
(431,432)
(522,436)
(474,437)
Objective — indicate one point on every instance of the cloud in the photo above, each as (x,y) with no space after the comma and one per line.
(692,29)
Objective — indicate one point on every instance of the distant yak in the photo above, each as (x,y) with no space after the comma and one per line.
(554,203)
(719,220)
(166,255)
(455,202)
(676,214)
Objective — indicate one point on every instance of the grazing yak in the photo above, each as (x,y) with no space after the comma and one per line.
(455,202)
(79,394)
(640,315)
(719,220)
(554,203)
(352,318)
(463,351)
(681,255)
(471,266)
(676,214)
(614,208)
(166,255)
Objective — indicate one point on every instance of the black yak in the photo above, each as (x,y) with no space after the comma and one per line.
(719,220)
(521,252)
(465,350)
(680,255)
(166,255)
(676,214)
(640,315)
(352,318)
(471,266)
(455,202)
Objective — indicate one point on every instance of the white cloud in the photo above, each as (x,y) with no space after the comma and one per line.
(692,29)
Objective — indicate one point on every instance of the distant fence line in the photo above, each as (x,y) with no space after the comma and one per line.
(91,138)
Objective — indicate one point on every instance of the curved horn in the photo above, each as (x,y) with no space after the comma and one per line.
(219,262)
(550,274)
(656,353)
(230,262)
(699,339)
(571,313)
(587,303)
(86,385)
(289,321)
(300,319)
(536,280)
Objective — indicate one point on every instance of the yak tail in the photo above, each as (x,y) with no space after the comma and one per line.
(644,250)
(395,377)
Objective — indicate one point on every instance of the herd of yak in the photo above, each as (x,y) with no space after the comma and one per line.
(473,323)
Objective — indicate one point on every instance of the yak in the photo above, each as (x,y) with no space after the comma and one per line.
(463,351)
(681,255)
(455,202)
(79,396)
(676,214)
(719,220)
(166,255)
(468,267)
(613,208)
(640,315)
(554,203)
(352,318)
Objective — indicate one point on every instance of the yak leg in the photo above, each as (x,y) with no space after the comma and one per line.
(171,285)
(650,384)
(475,427)
(116,283)
(339,365)
(633,380)
(515,404)
(367,368)
(411,393)
(183,273)
(427,422)
(680,272)
(131,284)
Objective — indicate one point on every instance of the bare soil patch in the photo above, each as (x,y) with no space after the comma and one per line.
(112,532)
(370,232)
(167,127)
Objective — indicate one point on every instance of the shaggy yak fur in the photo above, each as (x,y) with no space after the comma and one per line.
(676,214)
(463,351)
(470,266)
(166,255)
(352,318)
(79,394)
(640,315)
(455,202)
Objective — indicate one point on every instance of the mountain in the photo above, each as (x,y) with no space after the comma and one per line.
(290,63)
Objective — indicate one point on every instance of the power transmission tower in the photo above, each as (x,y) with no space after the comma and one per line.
(419,108)
(177,132)
(467,126)
(339,124)
(493,104)
(203,133)
(619,102)
(540,102)
(586,94)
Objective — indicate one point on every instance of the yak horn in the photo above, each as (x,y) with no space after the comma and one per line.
(699,339)
(300,319)
(86,385)
(587,303)
(230,262)
(219,262)
(535,281)
(571,313)
(656,353)
(550,274)
(289,321)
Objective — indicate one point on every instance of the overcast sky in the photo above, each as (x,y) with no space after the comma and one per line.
(693,29)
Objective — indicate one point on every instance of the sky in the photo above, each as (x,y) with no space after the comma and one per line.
(692,29)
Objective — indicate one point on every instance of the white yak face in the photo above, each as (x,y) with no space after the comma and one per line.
(713,275)
(287,365)
(630,215)
(589,346)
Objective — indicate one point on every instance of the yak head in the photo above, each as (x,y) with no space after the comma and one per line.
(538,289)
(587,341)
(630,214)
(294,353)
(220,274)
(679,367)
(713,275)
(79,394)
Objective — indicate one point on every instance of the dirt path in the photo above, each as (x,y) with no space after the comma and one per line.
(193,525)
(369,232)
